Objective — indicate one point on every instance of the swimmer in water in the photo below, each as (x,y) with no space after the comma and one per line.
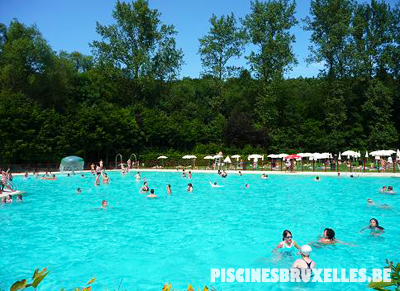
(78,191)
(215,185)
(190,175)
(224,174)
(383,189)
(183,173)
(190,187)
(263,176)
(374,227)
(317,179)
(106,179)
(137,176)
(26,175)
(145,188)
(328,238)
(92,168)
(305,264)
(390,190)
(287,243)
(97,180)
(338,174)
(370,202)
(152,195)
(9,199)
(104,204)
(169,191)
(240,173)
(19,198)
(247,186)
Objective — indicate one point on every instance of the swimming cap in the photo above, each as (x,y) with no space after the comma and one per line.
(305,250)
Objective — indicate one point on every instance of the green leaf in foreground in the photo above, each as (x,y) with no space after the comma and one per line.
(380,285)
(18,285)
(39,278)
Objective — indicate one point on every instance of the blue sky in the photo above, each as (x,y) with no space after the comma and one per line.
(71,25)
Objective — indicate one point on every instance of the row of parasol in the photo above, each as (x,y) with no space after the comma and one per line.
(312,156)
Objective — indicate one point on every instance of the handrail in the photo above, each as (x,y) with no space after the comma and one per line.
(130,157)
(116,160)
(12,186)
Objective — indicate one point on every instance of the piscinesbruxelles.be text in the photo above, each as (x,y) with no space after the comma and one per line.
(247,275)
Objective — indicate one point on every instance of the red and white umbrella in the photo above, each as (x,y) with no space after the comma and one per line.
(292,157)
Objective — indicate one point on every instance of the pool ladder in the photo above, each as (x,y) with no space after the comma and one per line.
(116,160)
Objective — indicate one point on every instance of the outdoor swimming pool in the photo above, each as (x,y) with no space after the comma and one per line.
(140,244)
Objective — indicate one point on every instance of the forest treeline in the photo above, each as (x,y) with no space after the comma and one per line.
(127,96)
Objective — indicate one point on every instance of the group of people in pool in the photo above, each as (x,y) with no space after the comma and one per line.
(6,177)
(223,174)
(104,176)
(287,244)
(97,168)
(9,199)
(387,190)
(5,184)
(145,189)
(384,190)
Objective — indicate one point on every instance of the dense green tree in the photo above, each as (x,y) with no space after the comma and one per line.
(330,26)
(331,35)
(138,43)
(223,42)
(265,107)
(268,28)
(240,131)
(57,104)
(30,67)
(156,127)
(20,121)
(25,58)
(378,110)
(335,116)
(374,38)
(81,62)
(393,50)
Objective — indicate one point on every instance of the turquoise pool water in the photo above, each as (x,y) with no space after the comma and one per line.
(140,244)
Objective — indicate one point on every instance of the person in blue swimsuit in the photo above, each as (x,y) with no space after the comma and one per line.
(287,244)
